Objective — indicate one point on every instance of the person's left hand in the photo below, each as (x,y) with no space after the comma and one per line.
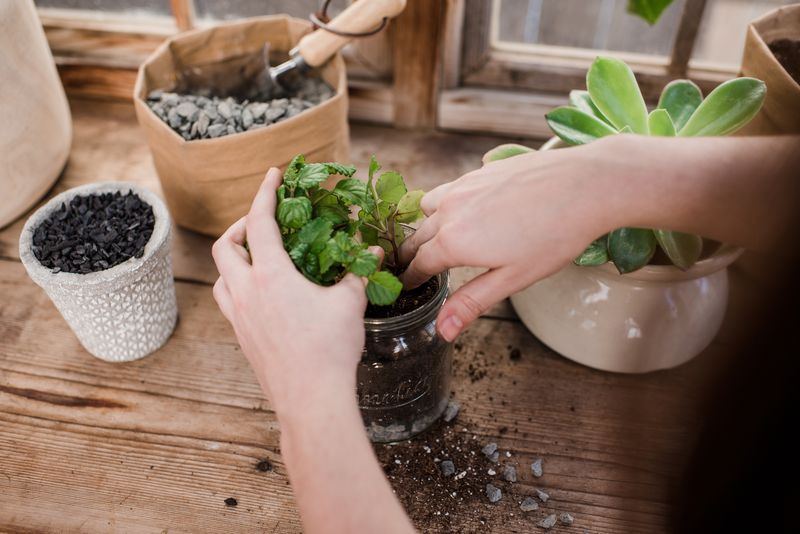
(303,340)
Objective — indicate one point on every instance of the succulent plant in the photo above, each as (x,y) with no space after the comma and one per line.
(613,104)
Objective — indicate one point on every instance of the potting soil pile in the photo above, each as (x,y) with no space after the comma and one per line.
(205,116)
(94,232)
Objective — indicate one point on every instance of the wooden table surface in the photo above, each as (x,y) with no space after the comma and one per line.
(157,445)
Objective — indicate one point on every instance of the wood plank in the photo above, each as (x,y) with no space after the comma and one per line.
(158,444)
(453,43)
(686,38)
(183,11)
(477,25)
(417,45)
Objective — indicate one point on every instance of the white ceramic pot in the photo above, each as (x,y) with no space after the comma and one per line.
(655,318)
(123,313)
(36,131)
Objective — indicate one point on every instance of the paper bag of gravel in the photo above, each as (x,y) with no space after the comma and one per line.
(780,113)
(210,183)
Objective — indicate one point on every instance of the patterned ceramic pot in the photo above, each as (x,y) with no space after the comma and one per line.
(655,318)
(122,313)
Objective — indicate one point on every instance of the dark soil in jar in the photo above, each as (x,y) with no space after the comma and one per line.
(94,232)
(408,301)
(787,52)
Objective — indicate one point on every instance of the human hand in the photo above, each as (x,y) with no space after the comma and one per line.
(522,218)
(302,340)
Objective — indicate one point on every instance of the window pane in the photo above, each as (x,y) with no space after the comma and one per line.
(159,7)
(594,24)
(724,26)
(232,9)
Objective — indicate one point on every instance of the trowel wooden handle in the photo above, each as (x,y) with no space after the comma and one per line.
(361,16)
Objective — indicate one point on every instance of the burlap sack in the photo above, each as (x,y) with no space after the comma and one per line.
(210,183)
(781,111)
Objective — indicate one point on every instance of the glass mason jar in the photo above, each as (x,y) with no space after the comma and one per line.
(405,370)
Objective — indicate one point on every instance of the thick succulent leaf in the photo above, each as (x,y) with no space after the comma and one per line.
(576,127)
(616,94)
(595,254)
(660,123)
(507,150)
(294,212)
(680,98)
(383,288)
(631,248)
(390,187)
(408,209)
(727,108)
(683,250)
(626,130)
(649,10)
(582,101)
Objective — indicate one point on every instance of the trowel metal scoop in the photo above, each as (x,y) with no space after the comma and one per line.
(250,76)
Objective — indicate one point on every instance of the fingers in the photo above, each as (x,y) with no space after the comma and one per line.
(223,298)
(430,200)
(230,256)
(263,235)
(422,235)
(471,300)
(430,260)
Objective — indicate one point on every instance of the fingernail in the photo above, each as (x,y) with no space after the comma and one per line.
(451,327)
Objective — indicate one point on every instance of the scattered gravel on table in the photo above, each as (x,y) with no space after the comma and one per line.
(447,468)
(451,411)
(566,519)
(94,232)
(529,505)
(510,473)
(230,501)
(536,468)
(494,457)
(207,117)
(493,493)
(489,449)
(491,472)
(542,495)
(548,522)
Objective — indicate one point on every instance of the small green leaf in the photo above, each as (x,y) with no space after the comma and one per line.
(312,175)
(616,94)
(576,127)
(315,234)
(727,108)
(383,288)
(342,248)
(680,98)
(508,150)
(374,167)
(408,209)
(336,214)
(325,260)
(338,168)
(649,10)
(631,248)
(595,254)
(660,123)
(351,191)
(682,249)
(390,187)
(298,252)
(297,163)
(582,101)
(364,263)
(294,212)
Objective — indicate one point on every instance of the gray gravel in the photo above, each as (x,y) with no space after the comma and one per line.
(510,473)
(536,468)
(208,117)
(493,493)
(529,505)
(451,411)
(566,519)
(489,449)
(542,495)
(548,522)
(447,468)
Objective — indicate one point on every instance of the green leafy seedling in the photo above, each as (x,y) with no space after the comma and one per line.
(325,242)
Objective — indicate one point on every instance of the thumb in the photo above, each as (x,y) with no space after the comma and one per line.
(471,300)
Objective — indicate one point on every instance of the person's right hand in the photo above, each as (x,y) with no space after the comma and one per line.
(522,218)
